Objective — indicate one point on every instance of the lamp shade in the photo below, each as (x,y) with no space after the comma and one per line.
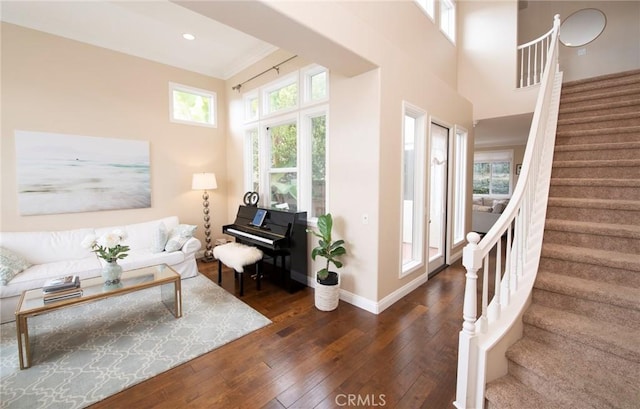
(204,181)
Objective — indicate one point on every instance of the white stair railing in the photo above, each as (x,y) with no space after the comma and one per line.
(518,235)
(532,58)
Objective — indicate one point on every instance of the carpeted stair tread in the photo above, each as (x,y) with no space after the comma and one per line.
(571,99)
(597,163)
(597,291)
(609,204)
(605,258)
(508,393)
(570,376)
(598,146)
(632,101)
(602,229)
(622,79)
(597,118)
(635,129)
(605,336)
(595,182)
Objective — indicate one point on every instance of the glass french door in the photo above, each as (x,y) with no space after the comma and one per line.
(438,189)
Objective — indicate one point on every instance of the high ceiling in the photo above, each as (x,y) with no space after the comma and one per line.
(149,29)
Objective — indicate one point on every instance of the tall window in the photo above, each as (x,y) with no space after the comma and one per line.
(448,18)
(492,173)
(192,106)
(460,185)
(413,176)
(285,149)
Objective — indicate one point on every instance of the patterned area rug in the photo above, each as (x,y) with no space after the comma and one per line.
(84,354)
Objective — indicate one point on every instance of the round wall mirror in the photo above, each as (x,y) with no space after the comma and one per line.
(582,27)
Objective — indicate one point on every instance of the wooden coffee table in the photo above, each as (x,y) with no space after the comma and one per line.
(93,289)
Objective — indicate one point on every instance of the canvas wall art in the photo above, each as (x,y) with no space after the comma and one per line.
(70,173)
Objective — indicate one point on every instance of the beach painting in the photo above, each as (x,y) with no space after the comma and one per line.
(59,173)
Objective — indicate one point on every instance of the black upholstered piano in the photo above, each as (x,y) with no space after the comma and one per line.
(282,236)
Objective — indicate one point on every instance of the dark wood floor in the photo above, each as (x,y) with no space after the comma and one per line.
(404,357)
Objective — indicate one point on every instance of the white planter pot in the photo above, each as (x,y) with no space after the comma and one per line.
(327,296)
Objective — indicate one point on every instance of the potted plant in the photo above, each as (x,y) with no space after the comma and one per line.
(327,292)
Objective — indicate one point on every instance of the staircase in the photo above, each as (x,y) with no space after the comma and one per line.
(581,343)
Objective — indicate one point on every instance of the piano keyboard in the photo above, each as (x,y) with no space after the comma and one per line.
(251,236)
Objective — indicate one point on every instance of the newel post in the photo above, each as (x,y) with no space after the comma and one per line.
(466,389)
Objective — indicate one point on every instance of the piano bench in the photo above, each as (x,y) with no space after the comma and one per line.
(237,256)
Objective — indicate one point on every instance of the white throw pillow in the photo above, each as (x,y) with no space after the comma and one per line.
(159,238)
(11,264)
(179,235)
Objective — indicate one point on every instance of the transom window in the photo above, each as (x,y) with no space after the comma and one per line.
(192,106)
(285,141)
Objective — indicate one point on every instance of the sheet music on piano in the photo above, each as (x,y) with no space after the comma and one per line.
(281,236)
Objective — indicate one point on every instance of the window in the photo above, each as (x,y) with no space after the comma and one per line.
(413,176)
(448,19)
(428,6)
(283,165)
(492,173)
(315,84)
(460,185)
(285,147)
(281,96)
(192,106)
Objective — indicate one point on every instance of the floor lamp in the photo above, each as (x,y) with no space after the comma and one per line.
(205,181)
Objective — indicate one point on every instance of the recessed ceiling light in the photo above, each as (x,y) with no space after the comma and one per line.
(188,36)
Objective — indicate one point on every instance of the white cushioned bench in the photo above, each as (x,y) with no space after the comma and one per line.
(237,256)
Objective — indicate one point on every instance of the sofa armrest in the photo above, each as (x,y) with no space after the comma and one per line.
(191,246)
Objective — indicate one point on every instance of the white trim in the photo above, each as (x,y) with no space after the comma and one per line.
(460,177)
(376,307)
(428,8)
(449,6)
(306,74)
(418,229)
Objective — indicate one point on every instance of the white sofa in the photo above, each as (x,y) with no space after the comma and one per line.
(486,211)
(54,254)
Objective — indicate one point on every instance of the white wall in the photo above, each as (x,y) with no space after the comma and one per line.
(487,59)
(617,49)
(52,84)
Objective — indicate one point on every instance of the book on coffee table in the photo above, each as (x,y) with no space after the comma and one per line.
(62,295)
(61,284)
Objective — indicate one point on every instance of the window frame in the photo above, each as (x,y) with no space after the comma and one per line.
(418,232)
(428,7)
(460,170)
(213,104)
(307,75)
(448,13)
(493,157)
(283,82)
(302,114)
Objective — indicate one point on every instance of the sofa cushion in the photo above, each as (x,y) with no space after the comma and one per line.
(144,258)
(179,236)
(159,238)
(478,208)
(140,235)
(47,247)
(36,275)
(499,205)
(11,264)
